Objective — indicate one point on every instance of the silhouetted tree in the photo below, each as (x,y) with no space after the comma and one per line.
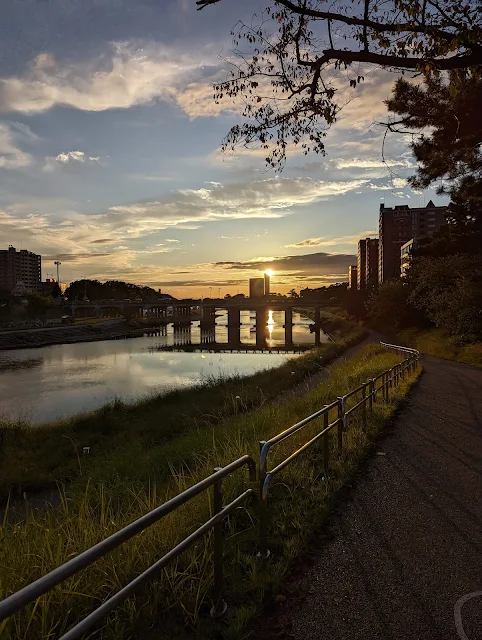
(447,141)
(286,62)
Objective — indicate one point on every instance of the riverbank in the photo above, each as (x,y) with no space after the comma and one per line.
(36,458)
(60,334)
(120,487)
(434,342)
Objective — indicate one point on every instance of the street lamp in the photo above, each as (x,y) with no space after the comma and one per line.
(57,264)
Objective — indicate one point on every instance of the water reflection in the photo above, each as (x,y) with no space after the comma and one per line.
(46,383)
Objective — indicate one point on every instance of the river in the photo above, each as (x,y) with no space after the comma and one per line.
(44,384)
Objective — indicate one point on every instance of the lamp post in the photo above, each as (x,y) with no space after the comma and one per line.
(57,263)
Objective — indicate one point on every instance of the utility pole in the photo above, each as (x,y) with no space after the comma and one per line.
(57,263)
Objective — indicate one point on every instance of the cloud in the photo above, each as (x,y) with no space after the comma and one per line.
(269,198)
(11,156)
(125,77)
(312,263)
(324,242)
(70,160)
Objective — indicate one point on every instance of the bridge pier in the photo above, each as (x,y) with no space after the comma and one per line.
(208,317)
(234,335)
(288,326)
(234,317)
(261,322)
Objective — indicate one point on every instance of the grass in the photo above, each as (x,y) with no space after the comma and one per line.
(36,458)
(175,606)
(434,342)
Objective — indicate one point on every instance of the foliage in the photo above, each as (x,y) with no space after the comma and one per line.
(111,290)
(435,342)
(389,307)
(287,63)
(449,291)
(176,605)
(37,305)
(38,457)
(447,144)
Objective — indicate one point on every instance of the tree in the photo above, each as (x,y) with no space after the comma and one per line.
(448,145)
(389,308)
(448,290)
(37,305)
(289,74)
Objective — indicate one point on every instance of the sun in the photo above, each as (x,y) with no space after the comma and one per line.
(269,273)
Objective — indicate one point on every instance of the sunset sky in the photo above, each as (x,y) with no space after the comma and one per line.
(110,160)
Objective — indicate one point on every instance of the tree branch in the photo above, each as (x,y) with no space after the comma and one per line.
(442,64)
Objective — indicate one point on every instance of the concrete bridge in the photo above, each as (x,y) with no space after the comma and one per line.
(184,312)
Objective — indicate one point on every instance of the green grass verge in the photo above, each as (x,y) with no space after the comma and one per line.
(122,437)
(176,605)
(434,342)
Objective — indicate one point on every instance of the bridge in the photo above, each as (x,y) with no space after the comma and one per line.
(184,312)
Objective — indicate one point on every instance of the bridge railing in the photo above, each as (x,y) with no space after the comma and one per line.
(334,416)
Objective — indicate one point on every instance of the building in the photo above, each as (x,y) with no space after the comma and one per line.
(406,255)
(256,287)
(267,283)
(362,258)
(367,266)
(352,276)
(20,271)
(397,226)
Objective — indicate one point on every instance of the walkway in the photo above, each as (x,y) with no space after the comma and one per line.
(406,546)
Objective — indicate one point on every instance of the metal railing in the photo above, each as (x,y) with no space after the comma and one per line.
(369,393)
(41,586)
(388,379)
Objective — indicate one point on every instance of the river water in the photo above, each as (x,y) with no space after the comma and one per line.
(48,383)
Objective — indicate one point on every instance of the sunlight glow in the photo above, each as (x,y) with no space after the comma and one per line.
(269,273)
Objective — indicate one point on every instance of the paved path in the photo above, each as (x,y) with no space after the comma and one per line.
(407,544)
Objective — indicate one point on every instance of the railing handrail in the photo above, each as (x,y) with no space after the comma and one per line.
(39,587)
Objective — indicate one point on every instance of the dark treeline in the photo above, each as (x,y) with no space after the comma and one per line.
(112,290)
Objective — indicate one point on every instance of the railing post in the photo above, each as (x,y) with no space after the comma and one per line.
(219,607)
(364,405)
(263,508)
(371,386)
(341,423)
(326,444)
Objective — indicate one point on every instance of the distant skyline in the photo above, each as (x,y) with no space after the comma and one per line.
(110,161)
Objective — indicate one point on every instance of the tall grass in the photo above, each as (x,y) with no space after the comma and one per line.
(33,458)
(176,605)
(434,342)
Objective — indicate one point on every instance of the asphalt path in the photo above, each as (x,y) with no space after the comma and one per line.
(401,558)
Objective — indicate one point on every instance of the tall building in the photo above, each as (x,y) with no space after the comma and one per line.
(362,258)
(256,287)
(367,263)
(20,270)
(399,224)
(267,283)
(406,255)
(352,276)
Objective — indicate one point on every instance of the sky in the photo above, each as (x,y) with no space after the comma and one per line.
(110,155)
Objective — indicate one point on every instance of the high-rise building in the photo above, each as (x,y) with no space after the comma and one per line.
(406,255)
(267,283)
(352,276)
(397,226)
(362,258)
(20,270)
(367,263)
(256,287)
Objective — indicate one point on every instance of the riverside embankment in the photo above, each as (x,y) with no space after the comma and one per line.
(115,488)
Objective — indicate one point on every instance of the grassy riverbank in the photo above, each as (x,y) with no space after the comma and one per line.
(33,458)
(129,485)
(434,342)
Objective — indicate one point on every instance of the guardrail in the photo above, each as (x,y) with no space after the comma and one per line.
(369,392)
